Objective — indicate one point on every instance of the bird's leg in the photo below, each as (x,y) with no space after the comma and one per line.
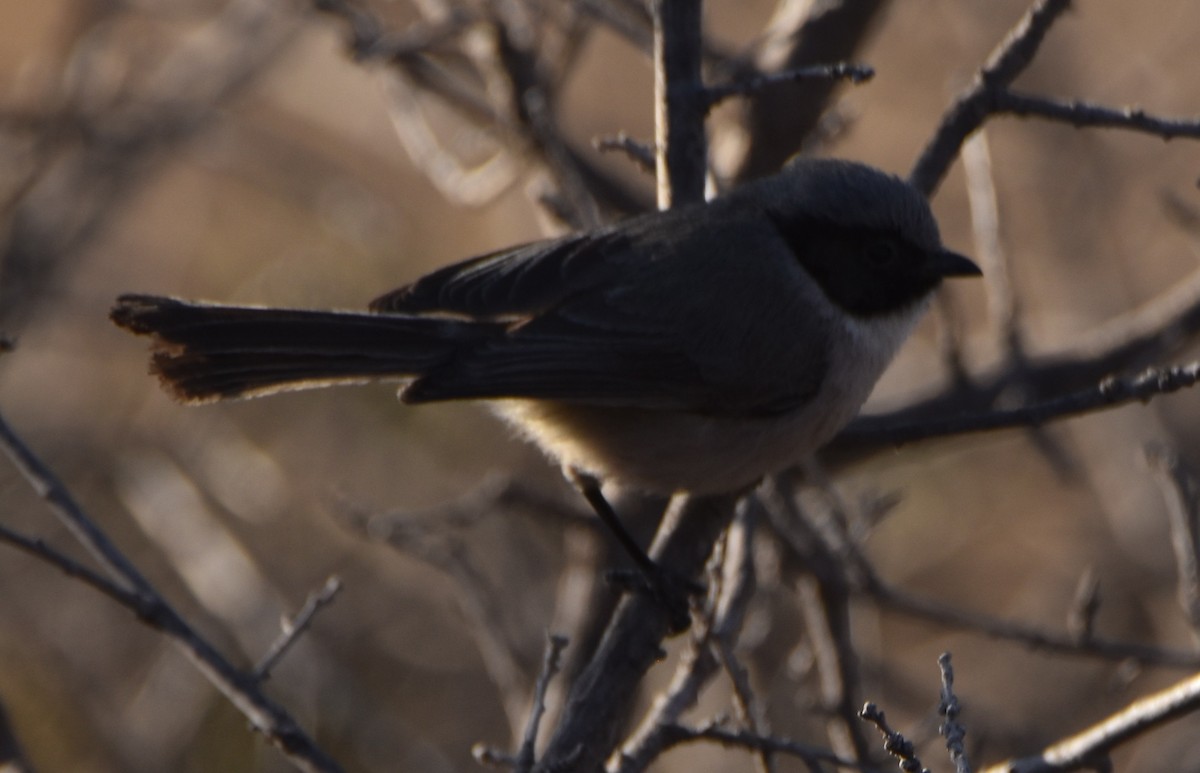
(665,587)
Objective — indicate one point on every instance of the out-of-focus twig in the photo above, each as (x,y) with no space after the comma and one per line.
(778,122)
(503,94)
(1034,637)
(1003,304)
(91,162)
(130,588)
(12,757)
(1085,605)
(813,756)
(1181,490)
(413,536)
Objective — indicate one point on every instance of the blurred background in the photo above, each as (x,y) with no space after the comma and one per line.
(236,151)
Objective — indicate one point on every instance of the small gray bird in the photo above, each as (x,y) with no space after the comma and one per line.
(695,350)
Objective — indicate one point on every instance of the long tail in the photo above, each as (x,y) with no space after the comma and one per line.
(206,352)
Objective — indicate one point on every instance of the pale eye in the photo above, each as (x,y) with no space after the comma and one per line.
(882,252)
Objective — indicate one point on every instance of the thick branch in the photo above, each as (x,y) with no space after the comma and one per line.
(680,103)
(603,693)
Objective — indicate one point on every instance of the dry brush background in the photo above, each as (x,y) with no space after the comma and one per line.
(274,175)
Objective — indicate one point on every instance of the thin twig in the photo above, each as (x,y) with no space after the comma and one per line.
(950,728)
(240,688)
(294,628)
(894,743)
(896,600)
(1181,490)
(814,756)
(526,756)
(1079,114)
(72,568)
(413,537)
(641,153)
(748,86)
(1109,393)
(1085,605)
(1091,747)
(1003,304)
(738,585)
(971,109)
(55,494)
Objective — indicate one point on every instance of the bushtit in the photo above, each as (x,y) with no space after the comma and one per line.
(690,350)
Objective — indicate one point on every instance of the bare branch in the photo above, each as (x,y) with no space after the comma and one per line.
(971,109)
(1181,490)
(152,609)
(720,623)
(780,121)
(1109,393)
(1081,114)
(71,515)
(293,629)
(894,743)
(1003,304)
(896,600)
(750,85)
(1081,617)
(679,101)
(1091,747)
(602,693)
(640,153)
(412,536)
(951,729)
(72,568)
(550,665)
(813,756)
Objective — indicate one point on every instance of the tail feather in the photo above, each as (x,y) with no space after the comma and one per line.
(206,352)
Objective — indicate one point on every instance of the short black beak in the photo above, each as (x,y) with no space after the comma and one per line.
(947,263)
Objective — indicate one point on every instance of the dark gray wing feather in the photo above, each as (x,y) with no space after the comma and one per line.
(512,282)
(610,318)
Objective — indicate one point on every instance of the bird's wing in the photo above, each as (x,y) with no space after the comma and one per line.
(615,318)
(513,282)
(569,356)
